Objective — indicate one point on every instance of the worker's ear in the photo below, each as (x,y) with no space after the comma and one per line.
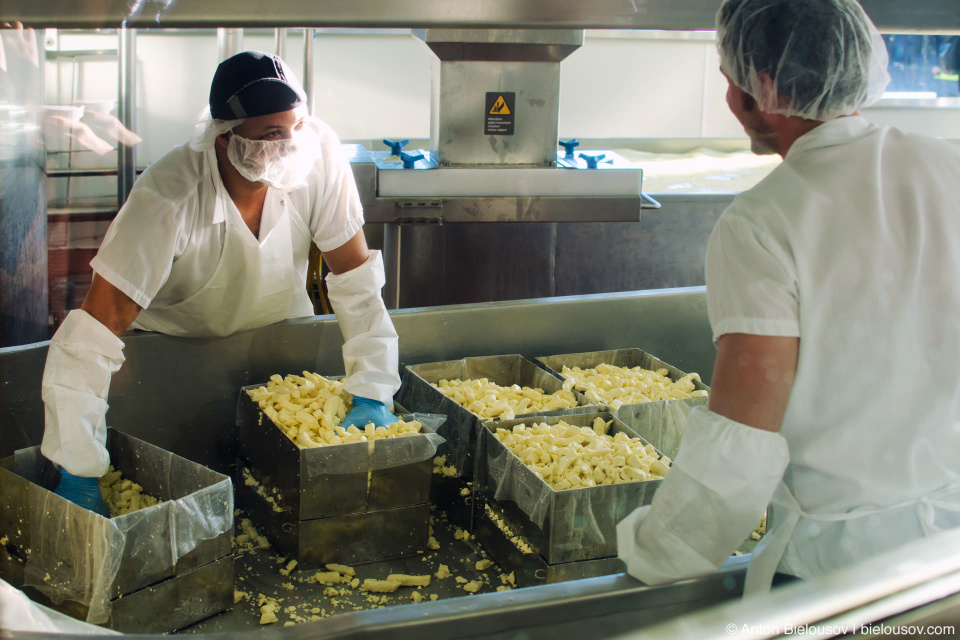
(223,140)
(768,100)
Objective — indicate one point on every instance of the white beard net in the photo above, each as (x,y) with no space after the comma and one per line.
(281,164)
(814,59)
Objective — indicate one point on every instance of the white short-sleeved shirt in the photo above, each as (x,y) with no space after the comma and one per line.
(166,241)
(852,244)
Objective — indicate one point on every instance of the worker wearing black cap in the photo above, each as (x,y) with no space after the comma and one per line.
(214,239)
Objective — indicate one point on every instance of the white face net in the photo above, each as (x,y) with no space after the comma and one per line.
(281,164)
(814,59)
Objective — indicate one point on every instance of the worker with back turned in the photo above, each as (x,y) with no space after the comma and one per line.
(832,294)
(214,239)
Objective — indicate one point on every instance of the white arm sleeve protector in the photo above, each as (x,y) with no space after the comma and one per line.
(371,355)
(713,497)
(82,357)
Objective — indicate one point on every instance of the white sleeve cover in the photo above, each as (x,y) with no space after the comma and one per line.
(82,358)
(712,498)
(371,355)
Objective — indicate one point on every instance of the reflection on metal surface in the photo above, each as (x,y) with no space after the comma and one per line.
(23,224)
(126,111)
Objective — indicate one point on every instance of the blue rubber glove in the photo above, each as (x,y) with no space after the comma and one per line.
(366,411)
(84,492)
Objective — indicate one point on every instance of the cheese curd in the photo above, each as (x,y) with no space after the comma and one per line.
(612,387)
(121,495)
(569,457)
(490,400)
(310,409)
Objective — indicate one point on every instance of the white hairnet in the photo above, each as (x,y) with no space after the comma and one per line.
(205,130)
(815,59)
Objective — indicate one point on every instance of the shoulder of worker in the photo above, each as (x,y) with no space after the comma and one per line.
(926,147)
(771,202)
(176,175)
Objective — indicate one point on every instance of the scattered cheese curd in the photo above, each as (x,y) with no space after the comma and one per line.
(489,400)
(612,387)
(569,457)
(310,409)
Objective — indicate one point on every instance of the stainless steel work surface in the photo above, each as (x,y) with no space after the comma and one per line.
(604,605)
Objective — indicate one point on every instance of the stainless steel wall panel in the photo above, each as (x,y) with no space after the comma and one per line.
(458,263)
(464,263)
(667,248)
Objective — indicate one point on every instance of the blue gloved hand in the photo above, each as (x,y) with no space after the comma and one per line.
(84,492)
(366,411)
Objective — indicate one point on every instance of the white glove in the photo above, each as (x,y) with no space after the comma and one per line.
(370,345)
(82,357)
(712,498)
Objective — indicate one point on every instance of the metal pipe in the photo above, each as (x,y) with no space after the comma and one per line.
(280,38)
(308,84)
(126,111)
(73,53)
(229,42)
(80,173)
(79,210)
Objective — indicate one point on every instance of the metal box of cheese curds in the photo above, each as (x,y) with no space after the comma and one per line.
(627,358)
(348,503)
(561,526)
(155,570)
(457,493)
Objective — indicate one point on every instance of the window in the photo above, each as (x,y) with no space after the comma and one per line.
(923,67)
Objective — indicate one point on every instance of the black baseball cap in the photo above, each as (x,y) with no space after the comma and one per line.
(253,83)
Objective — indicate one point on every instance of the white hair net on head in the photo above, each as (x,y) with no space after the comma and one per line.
(814,59)
(205,130)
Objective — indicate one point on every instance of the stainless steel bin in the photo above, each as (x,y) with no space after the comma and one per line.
(152,571)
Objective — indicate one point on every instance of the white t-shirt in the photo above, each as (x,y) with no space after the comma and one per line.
(165,242)
(853,245)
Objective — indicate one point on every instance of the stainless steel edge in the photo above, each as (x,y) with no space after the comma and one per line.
(509,209)
(937,16)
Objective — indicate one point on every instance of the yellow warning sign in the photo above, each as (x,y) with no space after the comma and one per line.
(501,110)
(500,107)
